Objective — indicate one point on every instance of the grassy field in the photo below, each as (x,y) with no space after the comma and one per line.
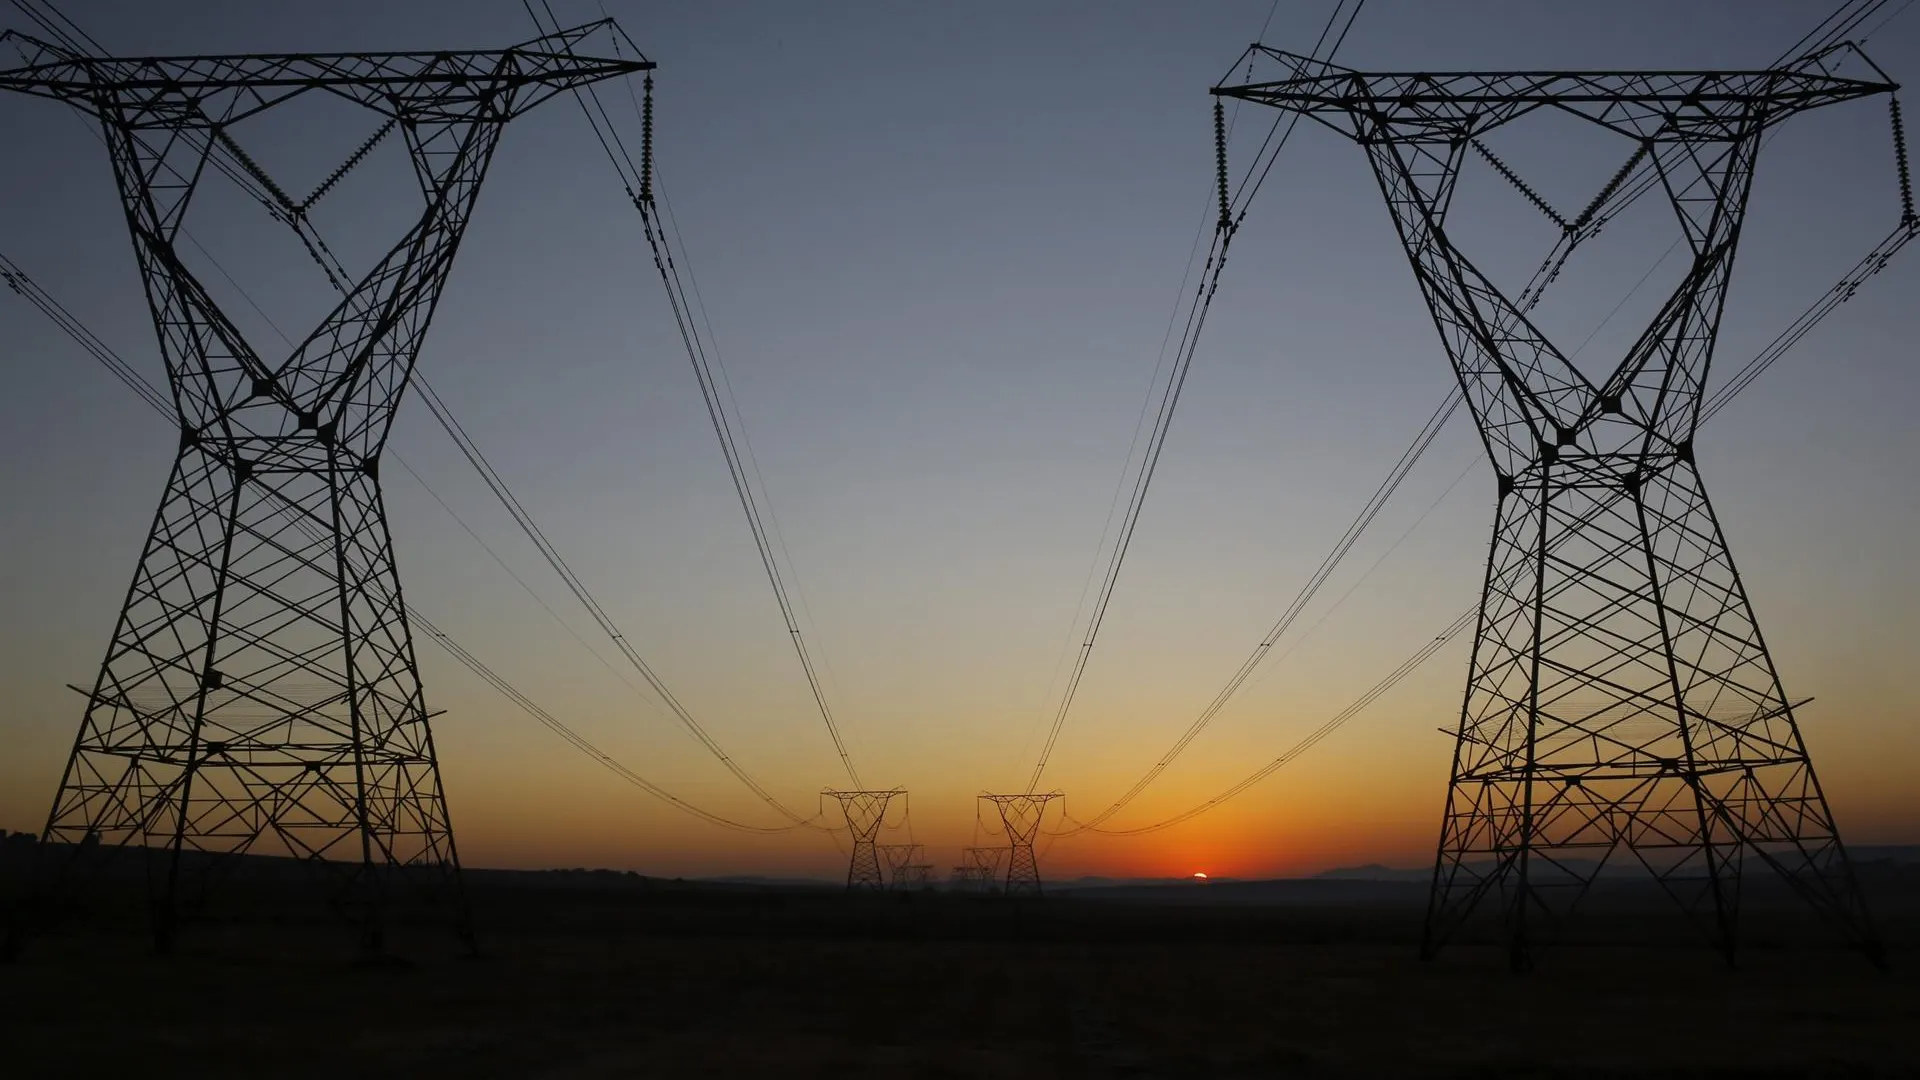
(635,979)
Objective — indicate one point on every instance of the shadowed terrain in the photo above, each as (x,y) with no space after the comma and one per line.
(604,974)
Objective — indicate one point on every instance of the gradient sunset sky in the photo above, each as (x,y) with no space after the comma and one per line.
(940,244)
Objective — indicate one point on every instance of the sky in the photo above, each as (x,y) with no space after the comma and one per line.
(939,246)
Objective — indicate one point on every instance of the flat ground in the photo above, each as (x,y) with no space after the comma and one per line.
(625,980)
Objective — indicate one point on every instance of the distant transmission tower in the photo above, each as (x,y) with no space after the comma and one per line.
(903,873)
(1620,695)
(260,692)
(865,812)
(900,862)
(1021,816)
(980,866)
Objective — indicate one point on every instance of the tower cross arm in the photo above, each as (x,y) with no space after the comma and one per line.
(392,83)
(1464,103)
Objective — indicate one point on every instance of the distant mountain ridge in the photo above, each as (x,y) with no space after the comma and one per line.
(18,846)
(1876,853)
(772,882)
(1903,854)
(1372,872)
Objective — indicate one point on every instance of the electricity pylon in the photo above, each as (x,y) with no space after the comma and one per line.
(1021,816)
(1620,695)
(899,859)
(260,693)
(865,812)
(980,866)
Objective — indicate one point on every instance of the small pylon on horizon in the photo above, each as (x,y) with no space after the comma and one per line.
(900,860)
(978,870)
(865,812)
(1021,816)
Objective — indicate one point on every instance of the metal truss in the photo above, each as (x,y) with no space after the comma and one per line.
(900,862)
(260,694)
(1620,696)
(967,879)
(979,868)
(1021,816)
(866,812)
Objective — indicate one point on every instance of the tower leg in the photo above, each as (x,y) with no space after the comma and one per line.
(865,813)
(1621,699)
(1021,816)
(1023,870)
(260,694)
(863,871)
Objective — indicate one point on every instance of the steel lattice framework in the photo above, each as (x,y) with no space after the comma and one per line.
(1620,695)
(866,812)
(982,867)
(1021,816)
(260,692)
(977,871)
(899,859)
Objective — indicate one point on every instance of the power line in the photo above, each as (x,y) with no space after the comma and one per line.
(1313,738)
(1156,441)
(641,184)
(471,451)
(509,571)
(746,445)
(28,289)
(1208,212)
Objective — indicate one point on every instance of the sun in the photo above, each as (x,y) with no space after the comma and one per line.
(1199,875)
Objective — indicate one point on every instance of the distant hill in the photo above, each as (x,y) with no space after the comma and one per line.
(1372,872)
(1903,854)
(1893,853)
(772,882)
(1279,891)
(1095,882)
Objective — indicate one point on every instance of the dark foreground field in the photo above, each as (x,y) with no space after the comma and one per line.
(627,978)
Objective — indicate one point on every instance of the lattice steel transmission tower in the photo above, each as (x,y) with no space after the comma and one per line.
(899,859)
(904,874)
(1021,815)
(1620,695)
(866,812)
(260,693)
(979,867)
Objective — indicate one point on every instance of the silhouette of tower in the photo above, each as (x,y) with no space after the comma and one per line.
(979,866)
(1620,696)
(260,692)
(865,812)
(899,859)
(1021,816)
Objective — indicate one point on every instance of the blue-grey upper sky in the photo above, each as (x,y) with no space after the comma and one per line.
(940,245)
